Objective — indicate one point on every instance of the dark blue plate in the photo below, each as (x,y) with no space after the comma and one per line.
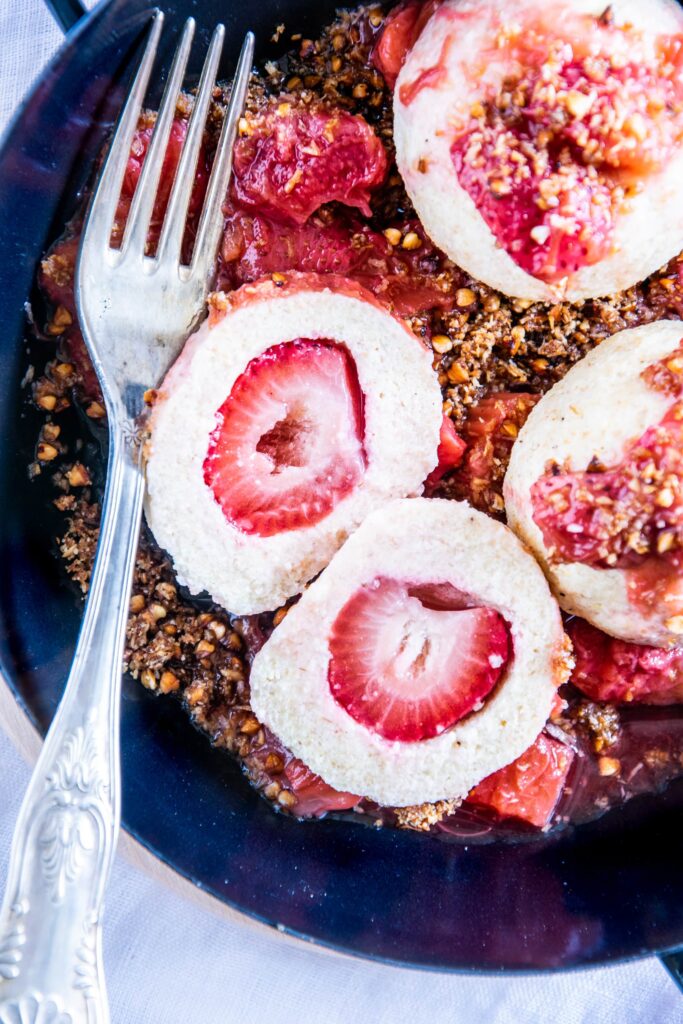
(602,892)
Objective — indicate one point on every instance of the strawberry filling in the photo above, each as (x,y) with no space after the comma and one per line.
(293,158)
(288,441)
(408,661)
(622,516)
(614,670)
(529,788)
(549,160)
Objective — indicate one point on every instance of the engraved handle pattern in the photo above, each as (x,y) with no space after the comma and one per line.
(65,837)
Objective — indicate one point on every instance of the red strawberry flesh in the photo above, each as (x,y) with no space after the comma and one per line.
(608,669)
(529,788)
(408,661)
(296,158)
(288,443)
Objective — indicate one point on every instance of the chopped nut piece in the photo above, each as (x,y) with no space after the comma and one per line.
(465,297)
(609,766)
(578,103)
(665,498)
(540,234)
(393,236)
(286,799)
(218,629)
(78,475)
(51,431)
(279,616)
(64,370)
(169,682)
(46,452)
(441,343)
(204,648)
(457,374)
(250,725)
(148,679)
(411,241)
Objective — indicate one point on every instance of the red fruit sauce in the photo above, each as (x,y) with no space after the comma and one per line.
(608,669)
(550,159)
(409,661)
(288,443)
(490,430)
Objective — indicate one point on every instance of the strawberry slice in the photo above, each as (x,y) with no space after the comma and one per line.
(409,661)
(288,444)
(529,788)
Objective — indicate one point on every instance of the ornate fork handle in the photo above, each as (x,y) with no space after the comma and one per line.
(66,833)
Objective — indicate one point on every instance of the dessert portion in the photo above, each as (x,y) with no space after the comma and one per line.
(595,485)
(425,657)
(540,142)
(278,429)
(315,191)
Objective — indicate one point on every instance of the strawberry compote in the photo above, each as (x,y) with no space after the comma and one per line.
(551,158)
(608,669)
(617,517)
(290,159)
(490,430)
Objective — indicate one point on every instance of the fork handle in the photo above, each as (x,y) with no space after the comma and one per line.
(65,837)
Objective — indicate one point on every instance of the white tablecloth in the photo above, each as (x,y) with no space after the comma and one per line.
(170,962)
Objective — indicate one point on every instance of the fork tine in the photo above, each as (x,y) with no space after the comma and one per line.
(142,206)
(108,189)
(211,222)
(173,228)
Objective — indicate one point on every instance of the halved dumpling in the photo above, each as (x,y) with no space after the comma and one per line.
(540,142)
(425,657)
(595,485)
(294,411)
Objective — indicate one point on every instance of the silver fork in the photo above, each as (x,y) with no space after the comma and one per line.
(136,311)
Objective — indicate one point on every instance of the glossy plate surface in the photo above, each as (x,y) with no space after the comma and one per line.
(606,891)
